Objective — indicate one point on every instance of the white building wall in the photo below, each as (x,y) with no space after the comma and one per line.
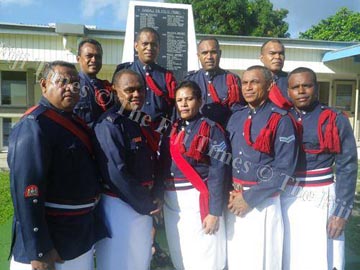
(29,47)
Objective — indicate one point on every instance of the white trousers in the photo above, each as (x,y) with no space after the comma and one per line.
(306,244)
(129,247)
(255,241)
(189,247)
(83,262)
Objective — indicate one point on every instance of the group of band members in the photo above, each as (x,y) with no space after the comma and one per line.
(254,174)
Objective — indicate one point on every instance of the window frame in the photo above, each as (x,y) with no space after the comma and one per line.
(352,104)
(26,90)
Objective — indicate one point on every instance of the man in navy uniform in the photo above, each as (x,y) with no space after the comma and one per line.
(317,205)
(273,57)
(264,152)
(160,83)
(95,94)
(53,178)
(220,88)
(128,159)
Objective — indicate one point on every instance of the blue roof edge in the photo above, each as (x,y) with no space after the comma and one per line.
(341,53)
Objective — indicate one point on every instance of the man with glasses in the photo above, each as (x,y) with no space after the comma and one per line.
(53,180)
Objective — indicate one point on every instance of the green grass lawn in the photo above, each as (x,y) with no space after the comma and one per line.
(6,212)
(352,233)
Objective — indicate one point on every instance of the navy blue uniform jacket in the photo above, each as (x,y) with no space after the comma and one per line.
(268,172)
(345,162)
(88,108)
(126,161)
(217,112)
(216,170)
(50,166)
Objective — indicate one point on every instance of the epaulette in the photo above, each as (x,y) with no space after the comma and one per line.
(276,109)
(121,66)
(209,121)
(112,116)
(335,110)
(238,107)
(34,112)
(191,72)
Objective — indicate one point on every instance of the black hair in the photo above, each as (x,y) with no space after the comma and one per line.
(147,30)
(209,39)
(122,72)
(306,70)
(267,73)
(272,40)
(91,41)
(302,70)
(193,86)
(49,68)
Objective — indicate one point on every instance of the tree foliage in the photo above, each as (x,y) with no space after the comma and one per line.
(238,17)
(343,26)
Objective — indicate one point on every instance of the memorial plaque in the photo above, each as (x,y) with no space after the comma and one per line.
(172,25)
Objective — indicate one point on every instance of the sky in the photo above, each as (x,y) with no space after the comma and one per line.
(111,14)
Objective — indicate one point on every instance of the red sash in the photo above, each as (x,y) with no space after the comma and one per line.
(265,140)
(156,89)
(213,93)
(233,91)
(278,99)
(329,140)
(170,83)
(67,124)
(191,175)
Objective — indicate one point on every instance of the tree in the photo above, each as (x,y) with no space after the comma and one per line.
(238,17)
(268,22)
(343,26)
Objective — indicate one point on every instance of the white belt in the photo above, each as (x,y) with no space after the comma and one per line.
(69,206)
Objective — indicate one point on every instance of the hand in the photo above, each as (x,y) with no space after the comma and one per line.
(237,205)
(159,204)
(335,227)
(40,265)
(210,224)
(47,262)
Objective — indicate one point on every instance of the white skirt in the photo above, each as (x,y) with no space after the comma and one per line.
(189,247)
(306,244)
(129,247)
(255,241)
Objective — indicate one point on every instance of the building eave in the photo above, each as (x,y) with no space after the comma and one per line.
(342,53)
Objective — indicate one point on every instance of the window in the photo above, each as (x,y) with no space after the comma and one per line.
(6,127)
(324,88)
(345,96)
(13,88)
